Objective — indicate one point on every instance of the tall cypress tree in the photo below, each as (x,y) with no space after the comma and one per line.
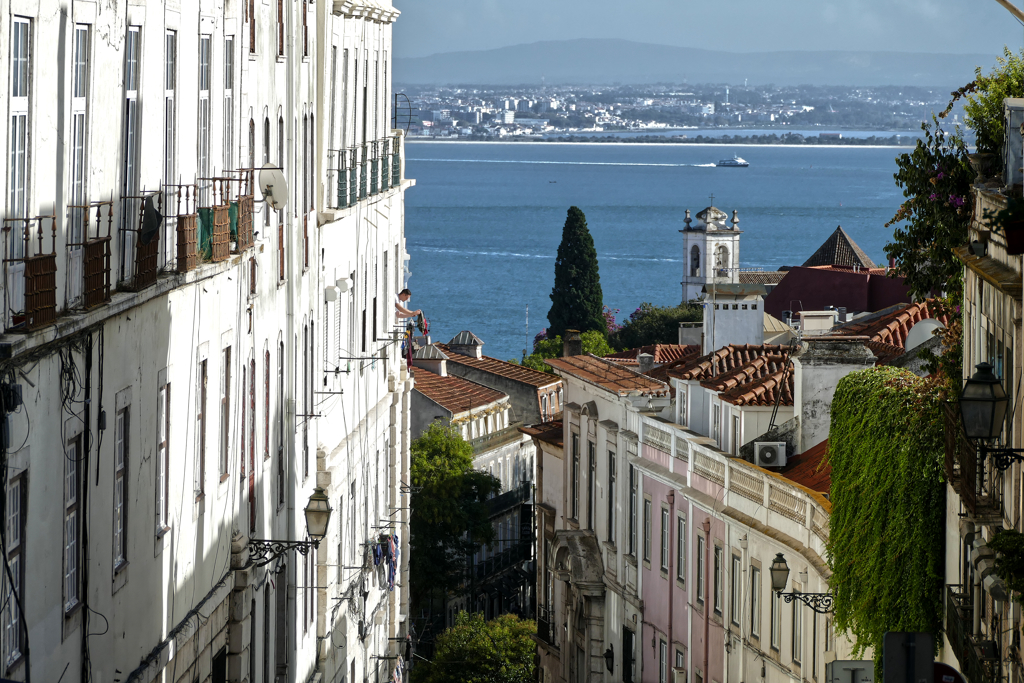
(576,300)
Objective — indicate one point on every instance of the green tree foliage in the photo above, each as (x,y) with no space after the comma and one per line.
(576,301)
(650,324)
(449,514)
(478,651)
(936,180)
(984,107)
(593,342)
(888,506)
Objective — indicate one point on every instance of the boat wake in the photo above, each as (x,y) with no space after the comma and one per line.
(559,163)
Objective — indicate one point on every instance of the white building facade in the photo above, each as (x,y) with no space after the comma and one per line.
(187,381)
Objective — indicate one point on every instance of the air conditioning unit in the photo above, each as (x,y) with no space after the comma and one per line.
(770,453)
(679,675)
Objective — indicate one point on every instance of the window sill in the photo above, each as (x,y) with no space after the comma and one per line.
(224,477)
(680,584)
(162,531)
(120,567)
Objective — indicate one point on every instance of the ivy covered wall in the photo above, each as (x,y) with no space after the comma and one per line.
(888,506)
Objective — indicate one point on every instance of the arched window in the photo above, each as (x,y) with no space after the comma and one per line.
(695,261)
(722,257)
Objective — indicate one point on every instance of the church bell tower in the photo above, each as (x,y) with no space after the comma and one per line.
(711,251)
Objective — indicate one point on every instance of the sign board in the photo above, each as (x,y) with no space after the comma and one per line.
(908,657)
(849,671)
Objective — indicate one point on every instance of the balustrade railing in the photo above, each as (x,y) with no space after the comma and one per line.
(141,239)
(96,249)
(187,243)
(30,272)
(364,170)
(215,220)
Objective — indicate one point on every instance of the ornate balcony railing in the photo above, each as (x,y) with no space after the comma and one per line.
(144,248)
(499,562)
(215,221)
(396,161)
(364,170)
(187,243)
(979,659)
(30,272)
(246,211)
(96,251)
(965,468)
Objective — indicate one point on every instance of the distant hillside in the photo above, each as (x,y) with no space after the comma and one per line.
(621,61)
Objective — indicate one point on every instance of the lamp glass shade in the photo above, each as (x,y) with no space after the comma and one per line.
(780,573)
(983,404)
(318,514)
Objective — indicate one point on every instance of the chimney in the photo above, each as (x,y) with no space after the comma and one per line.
(818,366)
(690,333)
(572,344)
(646,362)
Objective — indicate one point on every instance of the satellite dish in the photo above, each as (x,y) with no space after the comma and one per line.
(274,187)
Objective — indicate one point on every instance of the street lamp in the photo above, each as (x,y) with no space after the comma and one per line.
(821,603)
(318,515)
(609,658)
(983,406)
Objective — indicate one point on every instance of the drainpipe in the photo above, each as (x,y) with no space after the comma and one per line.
(743,590)
(671,576)
(707,591)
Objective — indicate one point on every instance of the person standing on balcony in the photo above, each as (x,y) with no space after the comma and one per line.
(400,310)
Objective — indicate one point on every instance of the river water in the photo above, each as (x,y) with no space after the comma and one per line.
(484,220)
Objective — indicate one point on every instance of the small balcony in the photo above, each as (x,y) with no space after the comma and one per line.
(507,559)
(965,470)
(245,211)
(96,226)
(496,439)
(31,272)
(215,220)
(979,659)
(183,202)
(546,625)
(510,499)
(364,170)
(142,249)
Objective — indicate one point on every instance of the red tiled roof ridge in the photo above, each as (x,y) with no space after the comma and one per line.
(763,391)
(503,368)
(754,369)
(663,353)
(696,368)
(454,393)
(596,370)
(892,328)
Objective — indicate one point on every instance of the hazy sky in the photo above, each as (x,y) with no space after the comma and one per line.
(963,26)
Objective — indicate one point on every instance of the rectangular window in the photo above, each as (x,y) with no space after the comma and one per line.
(611,496)
(648,513)
(15,520)
(225,411)
(243,431)
(700,569)
(228,143)
(798,630)
(200,470)
(717,427)
(662,662)
(719,578)
(280,425)
(734,447)
(575,476)
(280,28)
(665,528)
(170,141)
(755,602)
(776,620)
(120,488)
(79,131)
(252,26)
(21,74)
(305,28)
(132,116)
(814,645)
(204,119)
(735,590)
(591,483)
(266,405)
(163,432)
(72,553)
(681,548)
(632,509)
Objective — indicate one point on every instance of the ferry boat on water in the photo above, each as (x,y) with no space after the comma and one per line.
(736,162)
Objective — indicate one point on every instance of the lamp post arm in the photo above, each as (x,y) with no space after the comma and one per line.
(822,603)
(263,552)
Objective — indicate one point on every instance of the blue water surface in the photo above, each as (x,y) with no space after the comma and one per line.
(484,220)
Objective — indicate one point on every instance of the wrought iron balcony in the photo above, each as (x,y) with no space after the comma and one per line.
(31,273)
(96,250)
(215,221)
(979,659)
(140,262)
(187,243)
(507,559)
(546,625)
(965,469)
(510,499)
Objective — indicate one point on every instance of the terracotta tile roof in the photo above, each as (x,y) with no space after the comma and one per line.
(852,269)
(608,375)
(811,469)
(756,368)
(763,391)
(724,360)
(502,368)
(454,394)
(757,277)
(890,326)
(839,250)
(548,432)
(663,353)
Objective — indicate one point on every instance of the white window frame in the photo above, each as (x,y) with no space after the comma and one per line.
(611,495)
(225,411)
(20,130)
(662,661)
(666,542)
(15,529)
(228,141)
(170,146)
(72,547)
(80,78)
(203,116)
(121,454)
(755,601)
(648,530)
(701,551)
(719,578)
(736,590)
(132,141)
(681,547)
(798,629)
(776,639)
(202,423)
(163,435)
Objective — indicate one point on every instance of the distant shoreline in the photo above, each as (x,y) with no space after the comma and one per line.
(660,143)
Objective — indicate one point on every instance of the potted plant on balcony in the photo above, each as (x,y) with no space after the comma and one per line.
(1011,222)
